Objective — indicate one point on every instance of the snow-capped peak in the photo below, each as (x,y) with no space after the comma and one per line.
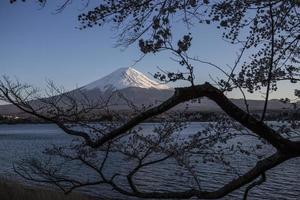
(124,78)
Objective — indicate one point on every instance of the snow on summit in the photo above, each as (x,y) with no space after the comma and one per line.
(124,78)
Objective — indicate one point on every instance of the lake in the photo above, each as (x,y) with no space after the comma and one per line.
(23,140)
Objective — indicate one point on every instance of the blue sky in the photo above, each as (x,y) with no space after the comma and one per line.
(37,45)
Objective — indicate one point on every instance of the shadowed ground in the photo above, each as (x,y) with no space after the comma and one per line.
(10,190)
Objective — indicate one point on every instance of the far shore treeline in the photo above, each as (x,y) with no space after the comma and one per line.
(192,116)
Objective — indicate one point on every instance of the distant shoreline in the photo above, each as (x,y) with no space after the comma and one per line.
(272,115)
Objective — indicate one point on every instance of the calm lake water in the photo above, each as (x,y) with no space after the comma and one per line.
(19,141)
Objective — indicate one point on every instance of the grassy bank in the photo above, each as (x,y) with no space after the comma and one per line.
(10,190)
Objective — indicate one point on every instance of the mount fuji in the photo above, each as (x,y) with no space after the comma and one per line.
(125,78)
(132,84)
(142,91)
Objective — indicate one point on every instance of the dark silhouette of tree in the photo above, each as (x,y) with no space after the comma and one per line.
(269,29)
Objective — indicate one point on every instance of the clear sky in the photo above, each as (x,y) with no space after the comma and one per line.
(36,45)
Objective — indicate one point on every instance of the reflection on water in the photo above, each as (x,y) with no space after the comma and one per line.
(18,141)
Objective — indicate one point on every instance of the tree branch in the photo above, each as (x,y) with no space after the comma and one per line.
(262,166)
(205,90)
